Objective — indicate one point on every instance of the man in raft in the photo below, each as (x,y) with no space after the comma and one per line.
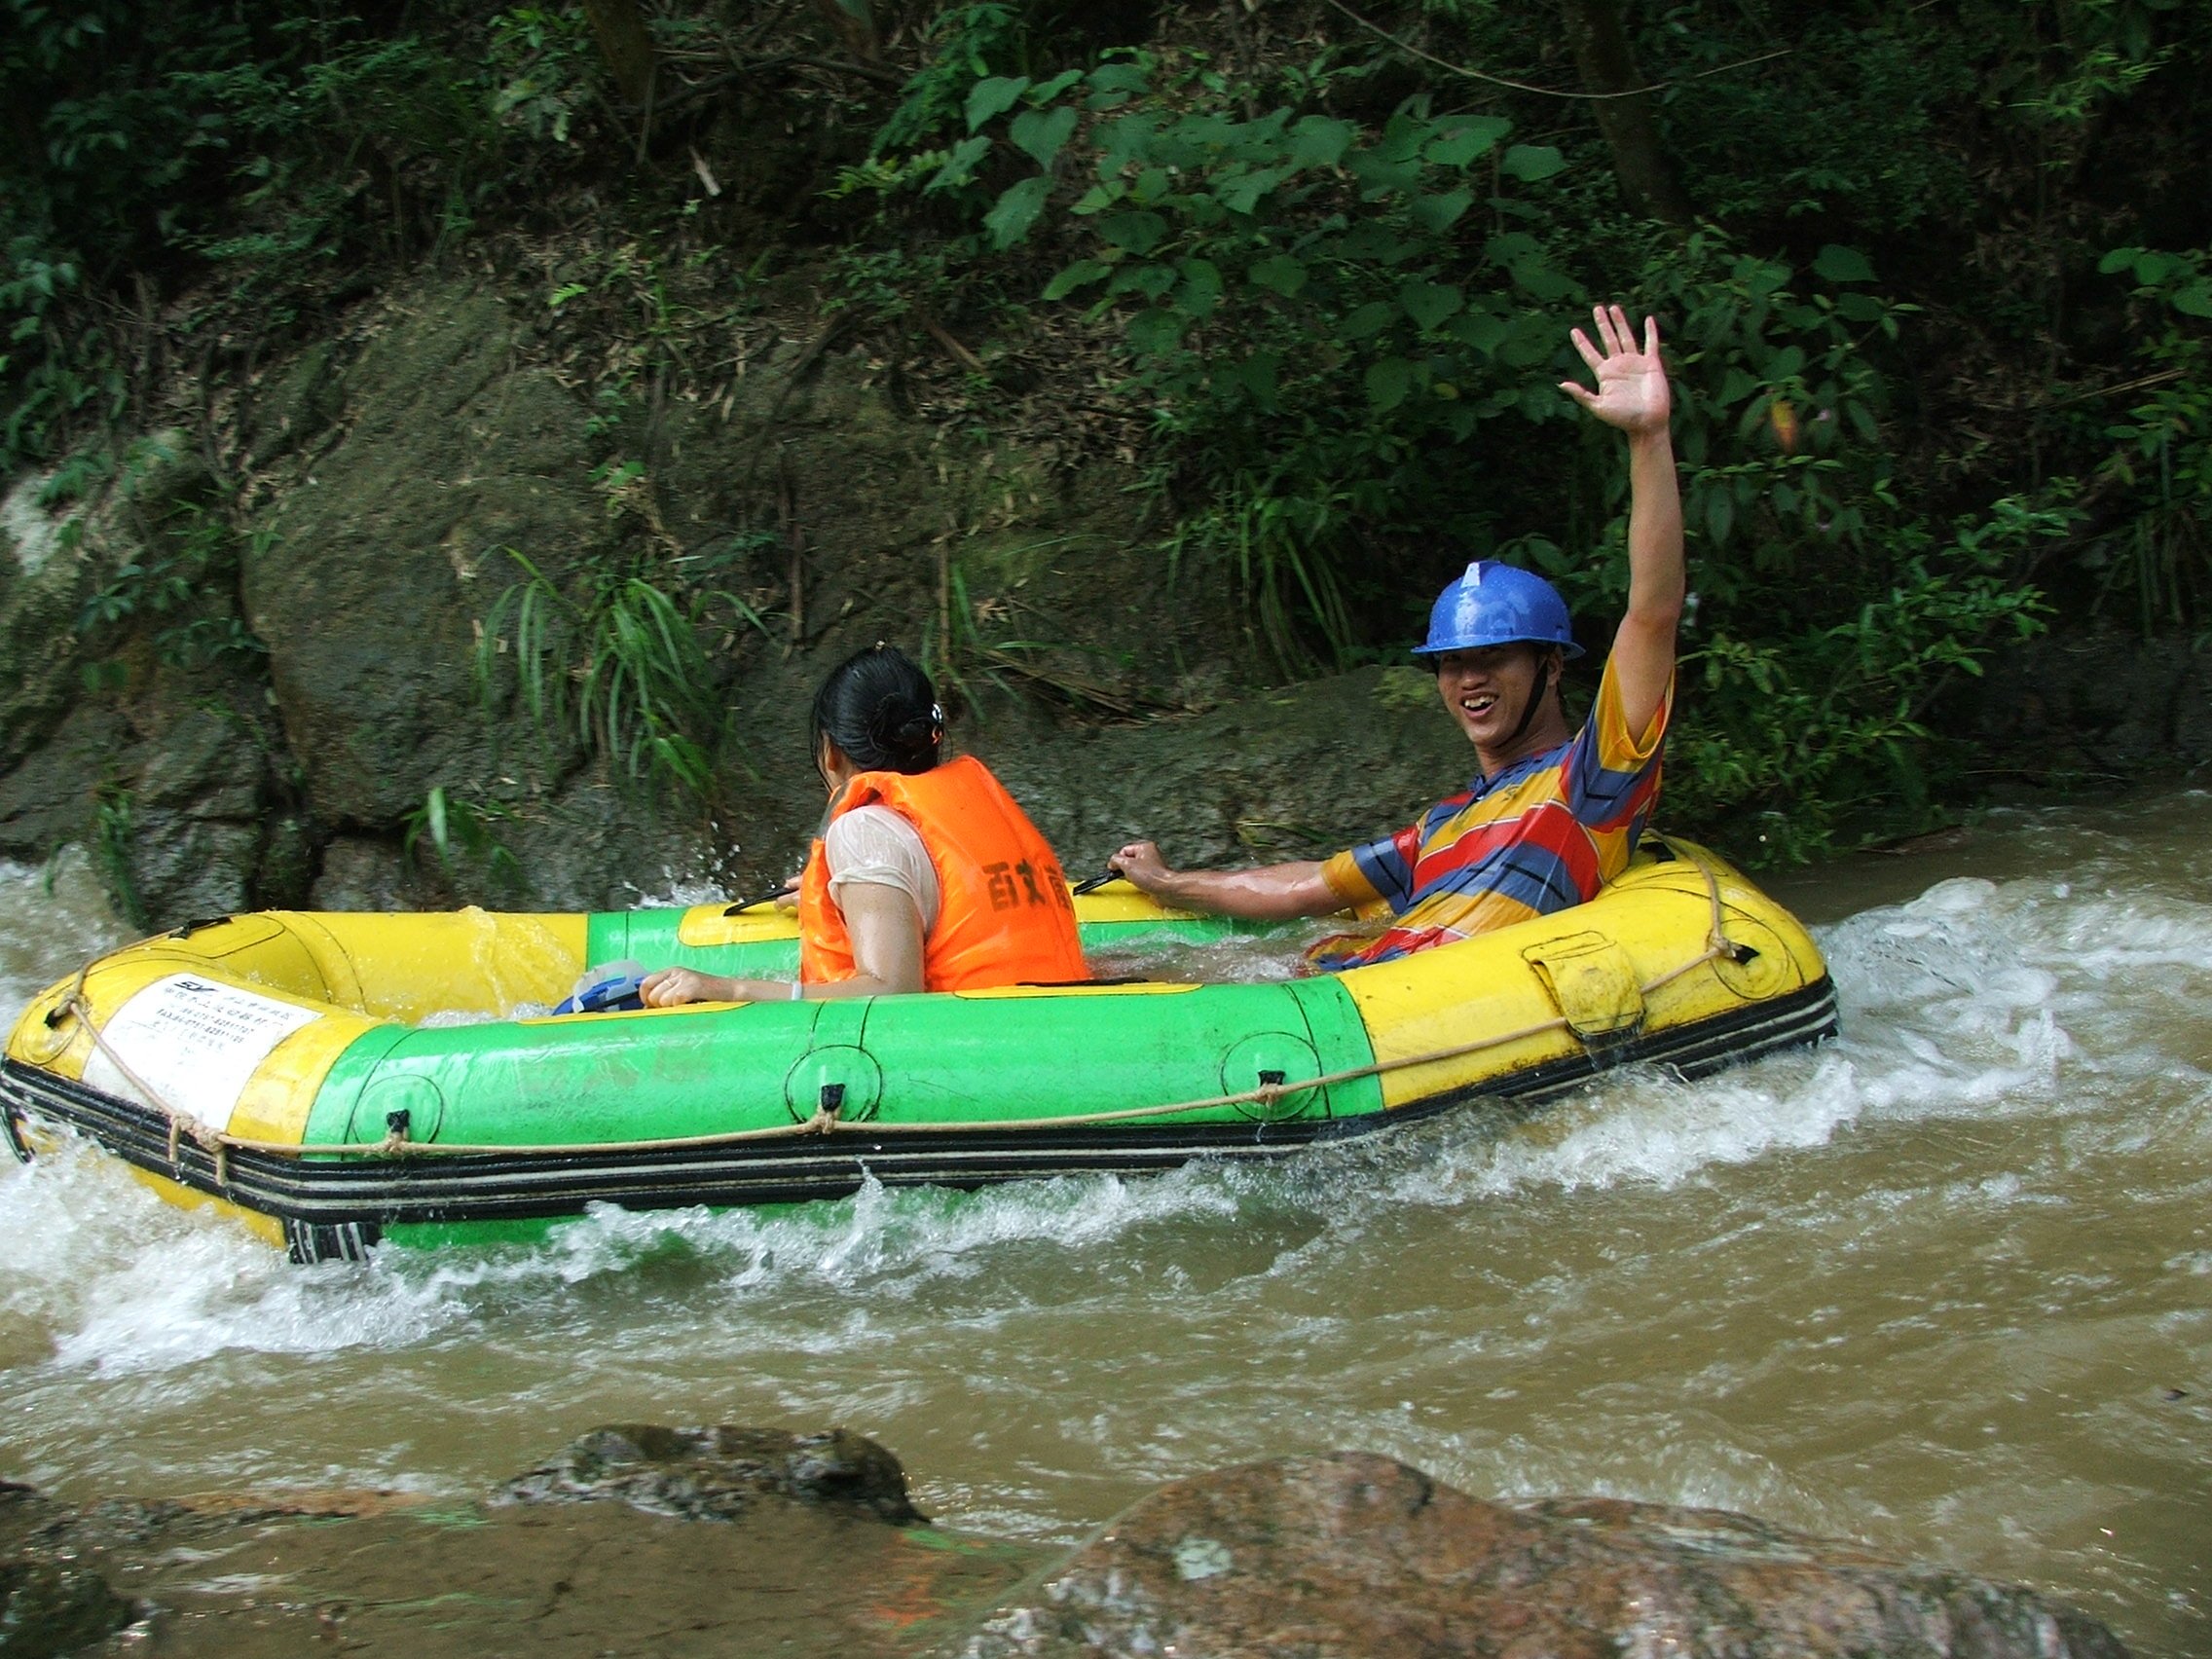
(1555,812)
(927,876)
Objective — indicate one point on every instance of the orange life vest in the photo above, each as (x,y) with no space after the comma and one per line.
(1003,917)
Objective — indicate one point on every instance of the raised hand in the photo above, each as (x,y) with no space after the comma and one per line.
(1631,385)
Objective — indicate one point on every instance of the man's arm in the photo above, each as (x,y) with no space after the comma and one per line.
(1633,394)
(1273,892)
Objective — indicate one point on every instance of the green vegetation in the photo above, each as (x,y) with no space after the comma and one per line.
(113,834)
(621,670)
(463,832)
(183,589)
(1935,283)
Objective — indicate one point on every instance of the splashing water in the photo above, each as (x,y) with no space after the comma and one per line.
(1945,1285)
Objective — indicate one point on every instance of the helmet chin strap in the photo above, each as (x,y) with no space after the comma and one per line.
(1534,702)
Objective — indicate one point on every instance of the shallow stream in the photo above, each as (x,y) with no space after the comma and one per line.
(1944,1286)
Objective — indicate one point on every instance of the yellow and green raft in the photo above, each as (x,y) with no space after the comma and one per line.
(277,1065)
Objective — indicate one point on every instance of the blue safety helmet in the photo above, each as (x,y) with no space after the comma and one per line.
(1498,605)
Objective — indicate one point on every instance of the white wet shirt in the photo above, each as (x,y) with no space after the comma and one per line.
(874,844)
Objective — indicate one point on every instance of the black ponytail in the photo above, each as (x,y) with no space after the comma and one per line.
(881,711)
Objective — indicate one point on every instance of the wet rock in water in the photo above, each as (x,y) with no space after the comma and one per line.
(717,1474)
(1352,1554)
(50,1610)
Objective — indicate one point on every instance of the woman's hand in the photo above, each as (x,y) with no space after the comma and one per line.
(671,988)
(1631,385)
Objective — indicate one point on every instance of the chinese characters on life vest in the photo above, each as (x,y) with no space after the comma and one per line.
(1014,885)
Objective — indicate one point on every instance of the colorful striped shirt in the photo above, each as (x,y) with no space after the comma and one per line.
(1544,833)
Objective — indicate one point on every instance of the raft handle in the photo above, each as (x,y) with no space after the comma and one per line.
(193,927)
(744,905)
(832,1099)
(396,1125)
(1741,953)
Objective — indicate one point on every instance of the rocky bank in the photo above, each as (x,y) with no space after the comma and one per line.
(255,710)
(241,663)
(641,1539)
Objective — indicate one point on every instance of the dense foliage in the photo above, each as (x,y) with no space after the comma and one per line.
(1934,279)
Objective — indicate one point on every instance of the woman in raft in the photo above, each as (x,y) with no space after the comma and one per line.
(926,877)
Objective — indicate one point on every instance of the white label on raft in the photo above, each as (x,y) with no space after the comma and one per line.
(195,1042)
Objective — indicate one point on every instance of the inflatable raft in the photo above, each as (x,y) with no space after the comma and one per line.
(309,1073)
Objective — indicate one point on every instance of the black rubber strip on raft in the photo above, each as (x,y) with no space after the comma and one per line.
(335,1207)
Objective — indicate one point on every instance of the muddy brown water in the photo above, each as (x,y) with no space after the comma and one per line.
(1944,1287)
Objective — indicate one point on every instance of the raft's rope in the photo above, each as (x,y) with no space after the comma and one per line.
(827,1121)
(180,1123)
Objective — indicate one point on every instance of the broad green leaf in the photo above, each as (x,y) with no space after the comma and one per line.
(959,166)
(1737,385)
(1121,141)
(1463,143)
(1242,193)
(1154,332)
(1280,273)
(1429,303)
(1532,338)
(1317,141)
(1152,185)
(1015,211)
(2120,259)
(1370,318)
(1536,276)
(1145,278)
(1720,515)
(1439,213)
(1389,382)
(1402,136)
(1840,264)
(1859,308)
(1200,292)
(1199,135)
(1137,232)
(1080,275)
(1381,175)
(2153,268)
(1041,135)
(1529,162)
(1479,329)
(1046,92)
(993,95)
(1260,373)
(1862,417)
(1119,78)
(2195,299)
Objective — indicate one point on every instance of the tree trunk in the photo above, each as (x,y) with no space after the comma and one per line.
(1630,124)
(619,28)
